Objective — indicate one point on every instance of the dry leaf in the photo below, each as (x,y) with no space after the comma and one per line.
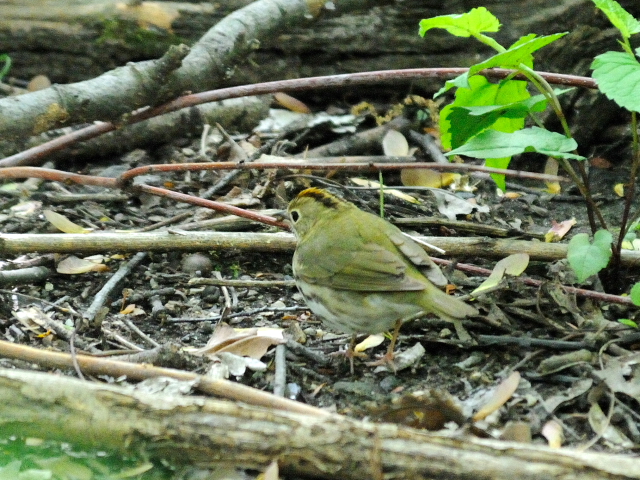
(270,473)
(552,431)
(73,265)
(500,396)
(513,265)
(363,182)
(33,319)
(148,14)
(39,82)
(25,209)
(370,342)
(450,205)
(559,230)
(132,309)
(429,410)
(619,189)
(511,195)
(424,177)
(293,104)
(516,432)
(232,364)
(599,162)
(394,144)
(405,359)
(63,224)
(565,395)
(252,342)
(551,168)
(602,426)
(622,375)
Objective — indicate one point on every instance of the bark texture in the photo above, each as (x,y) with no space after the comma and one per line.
(205,432)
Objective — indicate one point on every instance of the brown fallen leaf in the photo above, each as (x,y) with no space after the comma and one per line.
(251,342)
(500,396)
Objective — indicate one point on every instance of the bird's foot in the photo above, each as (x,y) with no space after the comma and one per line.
(385,360)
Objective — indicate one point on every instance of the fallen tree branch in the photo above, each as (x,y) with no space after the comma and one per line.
(205,432)
(133,371)
(15,243)
(205,65)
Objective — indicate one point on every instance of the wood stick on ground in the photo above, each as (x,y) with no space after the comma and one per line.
(13,244)
(99,366)
(206,432)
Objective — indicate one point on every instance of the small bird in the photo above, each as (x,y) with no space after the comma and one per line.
(359,273)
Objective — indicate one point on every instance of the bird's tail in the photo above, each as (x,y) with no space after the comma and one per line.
(446,306)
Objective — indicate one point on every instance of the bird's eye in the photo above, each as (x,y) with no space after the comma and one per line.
(295,216)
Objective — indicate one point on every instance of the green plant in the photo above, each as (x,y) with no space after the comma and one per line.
(7,65)
(486,120)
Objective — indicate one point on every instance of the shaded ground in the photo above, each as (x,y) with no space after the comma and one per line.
(565,392)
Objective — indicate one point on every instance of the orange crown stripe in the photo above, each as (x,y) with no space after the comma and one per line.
(321,196)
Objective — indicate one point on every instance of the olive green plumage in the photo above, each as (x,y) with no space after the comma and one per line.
(358,272)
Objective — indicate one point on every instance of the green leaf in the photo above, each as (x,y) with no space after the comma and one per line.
(461,81)
(586,258)
(619,17)
(498,177)
(635,294)
(628,323)
(522,40)
(521,53)
(7,65)
(494,144)
(513,265)
(458,125)
(472,23)
(520,108)
(618,76)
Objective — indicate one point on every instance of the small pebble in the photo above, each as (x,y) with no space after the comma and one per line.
(197,262)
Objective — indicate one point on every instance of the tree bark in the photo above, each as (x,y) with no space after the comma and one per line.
(205,432)
(457,247)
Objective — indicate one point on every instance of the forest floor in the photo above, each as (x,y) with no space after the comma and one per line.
(559,386)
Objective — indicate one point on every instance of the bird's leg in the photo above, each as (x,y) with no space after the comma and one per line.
(387,359)
(461,331)
(350,352)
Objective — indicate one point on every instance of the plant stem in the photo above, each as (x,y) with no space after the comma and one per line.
(543,86)
(630,188)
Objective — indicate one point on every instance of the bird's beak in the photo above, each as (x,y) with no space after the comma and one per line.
(281,215)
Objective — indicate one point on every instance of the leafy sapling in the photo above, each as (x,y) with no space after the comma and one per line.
(484,113)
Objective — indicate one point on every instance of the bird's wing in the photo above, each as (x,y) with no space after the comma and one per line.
(363,267)
(416,255)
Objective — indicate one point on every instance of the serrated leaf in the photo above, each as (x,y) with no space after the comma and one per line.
(457,125)
(635,294)
(521,53)
(619,17)
(587,258)
(522,40)
(474,22)
(461,81)
(493,144)
(618,77)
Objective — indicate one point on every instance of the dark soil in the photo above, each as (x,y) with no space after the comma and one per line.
(466,372)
